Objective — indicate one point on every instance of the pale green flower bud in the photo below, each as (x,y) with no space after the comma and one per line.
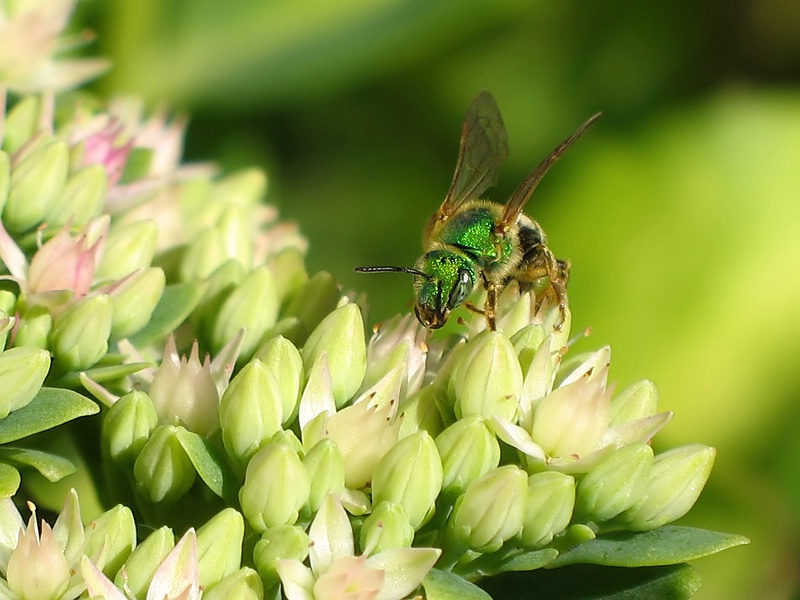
(675,483)
(250,410)
(162,470)
(492,509)
(21,122)
(110,539)
(376,435)
(571,420)
(35,185)
(548,509)
(284,361)
(243,584)
(8,302)
(219,546)
(309,305)
(138,571)
(410,475)
(386,527)
(203,255)
(127,427)
(183,391)
(244,188)
(488,380)
(22,372)
(135,300)
(82,199)
(235,228)
(5,176)
(637,401)
(80,334)
(275,487)
(526,342)
(614,484)
(34,327)
(276,544)
(37,568)
(325,469)
(420,411)
(289,267)
(341,336)
(468,450)
(253,305)
(128,249)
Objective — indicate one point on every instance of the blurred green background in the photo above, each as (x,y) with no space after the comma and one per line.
(680,210)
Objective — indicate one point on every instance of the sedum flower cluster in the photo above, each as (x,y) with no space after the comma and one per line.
(244,435)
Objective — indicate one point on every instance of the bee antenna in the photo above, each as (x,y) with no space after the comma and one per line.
(388,269)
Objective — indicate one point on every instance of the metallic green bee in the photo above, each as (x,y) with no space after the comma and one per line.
(470,242)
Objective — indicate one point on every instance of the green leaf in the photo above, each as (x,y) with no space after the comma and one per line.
(9,481)
(51,466)
(103,374)
(51,407)
(212,469)
(442,585)
(591,582)
(176,304)
(663,546)
(528,561)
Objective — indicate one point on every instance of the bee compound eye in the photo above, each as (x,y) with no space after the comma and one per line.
(461,289)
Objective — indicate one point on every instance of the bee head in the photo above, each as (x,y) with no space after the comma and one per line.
(445,282)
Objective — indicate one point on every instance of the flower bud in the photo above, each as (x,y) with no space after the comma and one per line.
(284,361)
(138,571)
(548,509)
(127,427)
(110,539)
(250,410)
(219,546)
(276,544)
(128,249)
(275,487)
(244,188)
(361,453)
(22,372)
(5,176)
(488,380)
(234,227)
(317,298)
(410,475)
(134,302)
(82,199)
(66,262)
(80,334)
(571,420)
(21,122)
(420,411)
(243,584)
(468,450)
(614,484)
(34,327)
(163,471)
(37,567)
(183,391)
(637,401)
(675,483)
(386,527)
(289,267)
(253,305)
(325,469)
(492,509)
(203,255)
(35,184)
(341,336)
(526,342)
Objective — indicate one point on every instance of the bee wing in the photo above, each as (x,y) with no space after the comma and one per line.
(484,145)
(520,197)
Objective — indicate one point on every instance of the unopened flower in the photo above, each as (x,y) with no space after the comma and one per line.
(336,572)
(183,391)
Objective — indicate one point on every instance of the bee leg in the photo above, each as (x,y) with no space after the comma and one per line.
(490,309)
(545,264)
